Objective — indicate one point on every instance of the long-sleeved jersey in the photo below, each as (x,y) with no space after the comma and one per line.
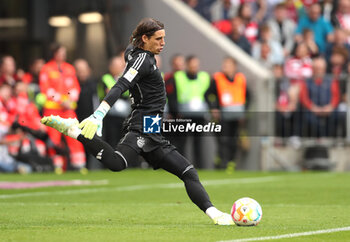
(145,83)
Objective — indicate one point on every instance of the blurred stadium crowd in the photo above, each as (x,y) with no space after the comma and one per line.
(305,43)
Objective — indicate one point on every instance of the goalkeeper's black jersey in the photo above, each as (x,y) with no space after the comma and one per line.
(145,83)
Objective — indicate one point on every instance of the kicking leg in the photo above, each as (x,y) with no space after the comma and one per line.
(176,164)
(114,160)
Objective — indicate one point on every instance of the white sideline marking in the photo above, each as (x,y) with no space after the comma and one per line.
(142,187)
(26,204)
(287,236)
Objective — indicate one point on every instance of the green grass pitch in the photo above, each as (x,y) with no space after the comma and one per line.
(147,205)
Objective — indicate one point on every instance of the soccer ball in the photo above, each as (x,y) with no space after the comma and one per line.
(246,212)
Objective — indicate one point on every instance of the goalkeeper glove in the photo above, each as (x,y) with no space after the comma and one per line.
(93,124)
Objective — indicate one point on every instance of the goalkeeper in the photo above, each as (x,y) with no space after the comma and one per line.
(145,83)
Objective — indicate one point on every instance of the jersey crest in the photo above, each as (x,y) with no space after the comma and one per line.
(130,74)
(140,141)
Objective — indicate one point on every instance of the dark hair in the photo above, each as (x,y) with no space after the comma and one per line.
(173,57)
(306,31)
(280,5)
(240,10)
(147,26)
(54,47)
(264,28)
(340,50)
(190,58)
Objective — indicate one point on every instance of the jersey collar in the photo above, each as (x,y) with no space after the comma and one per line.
(149,52)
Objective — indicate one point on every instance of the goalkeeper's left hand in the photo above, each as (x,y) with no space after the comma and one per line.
(91,125)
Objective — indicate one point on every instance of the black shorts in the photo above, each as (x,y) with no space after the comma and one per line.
(152,147)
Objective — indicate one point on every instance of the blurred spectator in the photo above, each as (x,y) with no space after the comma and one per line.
(11,109)
(304,5)
(338,66)
(287,98)
(177,63)
(201,6)
(338,61)
(340,41)
(32,79)
(222,10)
(343,106)
(265,58)
(309,40)
(276,50)
(224,26)
(226,97)
(344,85)
(7,104)
(7,162)
(291,10)
(282,28)
(190,87)
(61,88)
(299,66)
(8,71)
(320,96)
(340,70)
(32,76)
(31,149)
(121,109)
(258,9)
(328,9)
(270,7)
(342,17)
(238,37)
(321,28)
(250,24)
(88,99)
(25,110)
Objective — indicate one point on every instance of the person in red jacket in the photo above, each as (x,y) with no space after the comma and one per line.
(320,96)
(60,87)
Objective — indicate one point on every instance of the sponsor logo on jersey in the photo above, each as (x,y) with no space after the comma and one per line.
(151,124)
